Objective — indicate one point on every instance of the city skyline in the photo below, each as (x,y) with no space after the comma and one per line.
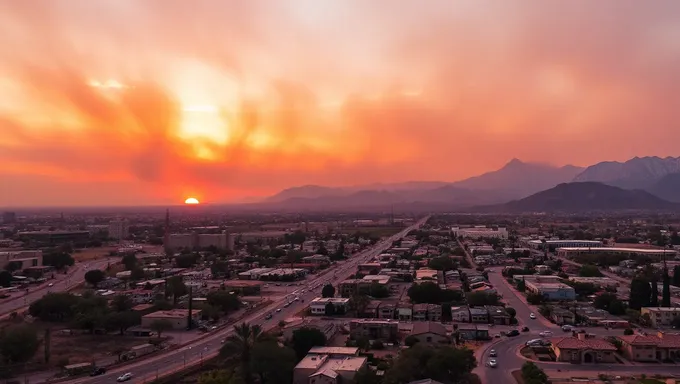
(156,102)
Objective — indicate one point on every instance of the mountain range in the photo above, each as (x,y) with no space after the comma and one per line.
(640,183)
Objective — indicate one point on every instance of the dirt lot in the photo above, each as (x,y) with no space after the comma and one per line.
(85,348)
(92,253)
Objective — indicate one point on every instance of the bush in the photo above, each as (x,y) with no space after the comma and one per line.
(628,331)
(378,345)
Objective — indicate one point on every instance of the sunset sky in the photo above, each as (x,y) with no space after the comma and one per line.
(114,102)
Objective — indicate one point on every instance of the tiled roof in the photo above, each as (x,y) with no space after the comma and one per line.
(670,340)
(575,343)
(421,327)
(640,340)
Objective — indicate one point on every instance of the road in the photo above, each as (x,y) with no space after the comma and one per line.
(148,369)
(75,276)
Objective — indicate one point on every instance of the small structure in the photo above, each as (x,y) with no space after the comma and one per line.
(429,332)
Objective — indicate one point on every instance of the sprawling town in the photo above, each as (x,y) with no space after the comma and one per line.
(177,297)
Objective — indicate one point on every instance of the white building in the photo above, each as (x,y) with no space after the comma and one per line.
(318,306)
(119,229)
(23,259)
(554,244)
(480,232)
(658,252)
(329,365)
(218,240)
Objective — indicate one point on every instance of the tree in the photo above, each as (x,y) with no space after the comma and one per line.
(666,294)
(330,309)
(676,275)
(589,270)
(366,375)
(219,376)
(442,263)
(378,290)
(511,311)
(640,293)
(186,261)
(628,331)
(273,364)
(129,260)
(535,299)
(175,286)
(305,338)
(13,266)
(18,343)
(521,285)
(359,303)
(223,300)
(328,291)
(442,363)
(94,277)
(654,295)
(411,340)
(58,259)
(240,344)
(210,312)
(5,279)
(54,307)
(122,320)
(160,325)
(219,269)
(532,374)
(479,299)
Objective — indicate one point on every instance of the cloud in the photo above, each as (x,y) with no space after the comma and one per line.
(333,92)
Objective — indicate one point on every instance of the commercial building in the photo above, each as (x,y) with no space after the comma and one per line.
(222,241)
(328,366)
(660,315)
(384,330)
(22,259)
(119,229)
(555,244)
(318,305)
(480,232)
(176,317)
(264,235)
(54,237)
(602,282)
(551,291)
(569,252)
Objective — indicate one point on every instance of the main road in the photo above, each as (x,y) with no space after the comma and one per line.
(194,353)
(61,282)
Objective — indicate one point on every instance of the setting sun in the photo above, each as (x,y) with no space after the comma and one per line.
(191,201)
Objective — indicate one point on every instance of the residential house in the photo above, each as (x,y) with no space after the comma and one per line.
(429,332)
(497,315)
(583,349)
(479,315)
(652,348)
(473,332)
(176,317)
(384,330)
(551,291)
(405,311)
(660,315)
(562,316)
(322,368)
(387,310)
(371,310)
(460,314)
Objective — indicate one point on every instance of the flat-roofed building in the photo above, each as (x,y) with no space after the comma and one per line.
(318,305)
(480,232)
(551,291)
(661,315)
(176,317)
(555,244)
(23,259)
(326,369)
(652,252)
(384,330)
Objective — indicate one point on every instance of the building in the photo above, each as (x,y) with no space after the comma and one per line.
(246,288)
(460,314)
(329,329)
(497,315)
(555,244)
(181,241)
(479,315)
(54,237)
(176,317)
(263,235)
(660,315)
(318,305)
(119,229)
(429,332)
(602,282)
(551,291)
(480,232)
(22,259)
(583,349)
(562,316)
(384,330)
(328,368)
(651,348)
(194,240)
(473,332)
(570,252)
(599,317)
(9,217)
(424,312)
(317,260)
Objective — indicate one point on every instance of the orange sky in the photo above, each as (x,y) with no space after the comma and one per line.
(138,102)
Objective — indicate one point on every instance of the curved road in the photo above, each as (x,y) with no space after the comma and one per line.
(148,369)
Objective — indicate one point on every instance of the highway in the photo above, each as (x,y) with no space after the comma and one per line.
(61,282)
(148,369)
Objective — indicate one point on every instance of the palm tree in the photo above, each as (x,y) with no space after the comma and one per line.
(240,344)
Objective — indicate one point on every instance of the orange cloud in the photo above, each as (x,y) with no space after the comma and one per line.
(123,101)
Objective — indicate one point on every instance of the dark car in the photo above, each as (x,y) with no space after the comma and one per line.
(512,333)
(525,329)
(98,371)
(269,316)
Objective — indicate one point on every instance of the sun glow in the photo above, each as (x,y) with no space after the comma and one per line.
(191,201)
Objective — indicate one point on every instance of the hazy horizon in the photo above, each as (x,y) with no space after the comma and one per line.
(129,103)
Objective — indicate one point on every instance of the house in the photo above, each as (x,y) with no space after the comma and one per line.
(652,348)
(384,330)
(371,310)
(479,315)
(599,317)
(583,349)
(429,332)
(562,316)
(318,305)
(473,332)
(321,368)
(405,311)
(551,291)
(660,315)
(460,314)
(387,310)
(497,315)
(329,329)
(542,269)
(176,317)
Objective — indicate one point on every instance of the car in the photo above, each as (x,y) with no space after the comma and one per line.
(268,316)
(278,309)
(492,363)
(492,353)
(286,305)
(124,377)
(532,316)
(545,334)
(567,328)
(512,333)
(98,371)
(525,329)
(297,298)
(538,343)
(50,285)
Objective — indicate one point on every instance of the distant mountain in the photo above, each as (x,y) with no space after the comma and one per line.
(636,173)
(668,187)
(521,179)
(586,196)
(316,191)
(307,192)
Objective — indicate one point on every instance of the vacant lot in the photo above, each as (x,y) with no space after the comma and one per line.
(86,348)
(88,254)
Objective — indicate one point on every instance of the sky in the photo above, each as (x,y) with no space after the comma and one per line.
(120,102)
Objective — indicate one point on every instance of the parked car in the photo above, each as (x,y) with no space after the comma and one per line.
(567,328)
(124,377)
(525,329)
(545,334)
(269,316)
(98,371)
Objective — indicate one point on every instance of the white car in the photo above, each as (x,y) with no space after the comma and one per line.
(493,353)
(493,363)
(545,334)
(124,377)
(532,316)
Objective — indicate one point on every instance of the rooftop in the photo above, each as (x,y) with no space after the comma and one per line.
(576,343)
(420,327)
(172,314)
(349,351)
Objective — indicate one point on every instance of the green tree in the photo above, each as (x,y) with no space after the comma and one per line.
(442,263)
(511,311)
(210,312)
(273,364)
(521,285)
(5,279)
(654,295)
(666,294)
(121,303)
(160,325)
(532,374)
(219,269)
(328,291)
(129,260)
(122,320)
(54,307)
(305,338)
(378,290)
(137,274)
(240,344)
(640,293)
(186,261)
(359,303)
(535,299)
(589,270)
(219,376)
(330,309)
(442,363)
(223,300)
(478,299)
(175,287)
(676,276)
(94,277)
(18,343)
(366,375)
(58,259)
